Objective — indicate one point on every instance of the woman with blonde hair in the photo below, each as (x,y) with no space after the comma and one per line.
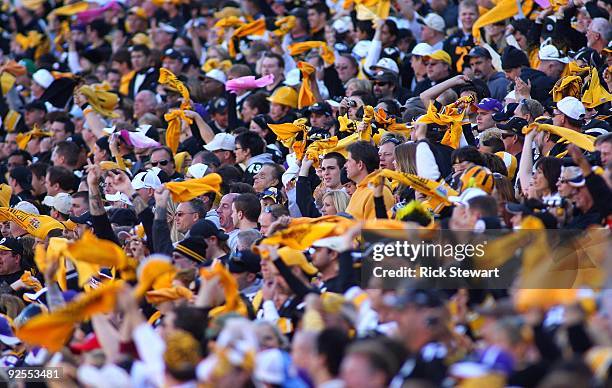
(405,161)
(334,202)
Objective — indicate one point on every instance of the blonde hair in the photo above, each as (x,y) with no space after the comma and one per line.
(339,198)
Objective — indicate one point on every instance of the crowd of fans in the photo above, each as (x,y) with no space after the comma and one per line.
(184,185)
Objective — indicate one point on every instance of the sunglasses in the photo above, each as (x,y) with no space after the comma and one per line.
(380,83)
(161,163)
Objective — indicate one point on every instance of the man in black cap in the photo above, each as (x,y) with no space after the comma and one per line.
(512,136)
(84,222)
(20,180)
(173,61)
(384,84)
(480,61)
(516,65)
(420,312)
(319,115)
(218,115)
(245,267)
(215,239)
(11,251)
(189,253)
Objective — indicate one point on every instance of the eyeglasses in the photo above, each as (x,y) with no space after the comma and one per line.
(380,83)
(180,214)
(160,162)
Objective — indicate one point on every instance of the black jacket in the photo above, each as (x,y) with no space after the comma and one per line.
(149,83)
(541,84)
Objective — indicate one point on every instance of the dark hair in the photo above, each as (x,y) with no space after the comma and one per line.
(197,205)
(477,86)
(365,26)
(332,344)
(259,101)
(102,143)
(393,107)
(68,124)
(209,157)
(81,194)
(467,154)
(551,168)
(62,176)
(165,149)
(486,204)
(495,163)
(229,175)
(23,176)
(24,154)
(366,97)
(241,188)
(574,122)
(122,56)
(249,205)
(607,138)
(393,30)
(321,8)
(495,143)
(281,61)
(363,151)
(70,151)
(340,159)
(251,141)
(277,211)
(141,48)
(351,59)
(39,169)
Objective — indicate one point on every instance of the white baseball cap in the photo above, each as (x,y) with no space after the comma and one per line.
(61,202)
(222,141)
(467,194)
(422,49)
(551,53)
(342,25)
(118,197)
(147,180)
(292,78)
(43,77)
(27,207)
(386,64)
(433,21)
(217,75)
(197,170)
(167,28)
(360,50)
(571,107)
(269,367)
(335,243)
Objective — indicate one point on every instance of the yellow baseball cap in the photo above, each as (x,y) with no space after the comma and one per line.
(440,55)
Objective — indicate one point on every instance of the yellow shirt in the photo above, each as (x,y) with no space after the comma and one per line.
(124,86)
(361,205)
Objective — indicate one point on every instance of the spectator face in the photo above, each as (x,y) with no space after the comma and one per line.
(181,262)
(467,16)
(356,372)
(345,68)
(352,110)
(5,229)
(78,206)
(328,208)
(352,167)
(271,66)
(15,161)
(386,155)
(265,220)
(436,70)
(139,60)
(248,112)
(38,185)
(481,67)
(174,65)
(264,179)
(37,90)
(235,216)
(511,74)
(605,150)
(318,120)
(34,116)
(242,155)
(9,262)
(164,161)
(114,80)
(418,66)
(59,131)
(315,19)
(185,217)
(383,89)
(539,181)
(144,102)
(385,36)
(225,211)
(277,111)
(331,173)
(484,120)
(428,34)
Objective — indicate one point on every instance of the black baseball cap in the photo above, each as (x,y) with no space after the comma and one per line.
(244,261)
(506,113)
(172,54)
(205,229)
(514,125)
(11,244)
(83,219)
(123,217)
(321,108)
(384,76)
(479,51)
(419,297)
(35,105)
